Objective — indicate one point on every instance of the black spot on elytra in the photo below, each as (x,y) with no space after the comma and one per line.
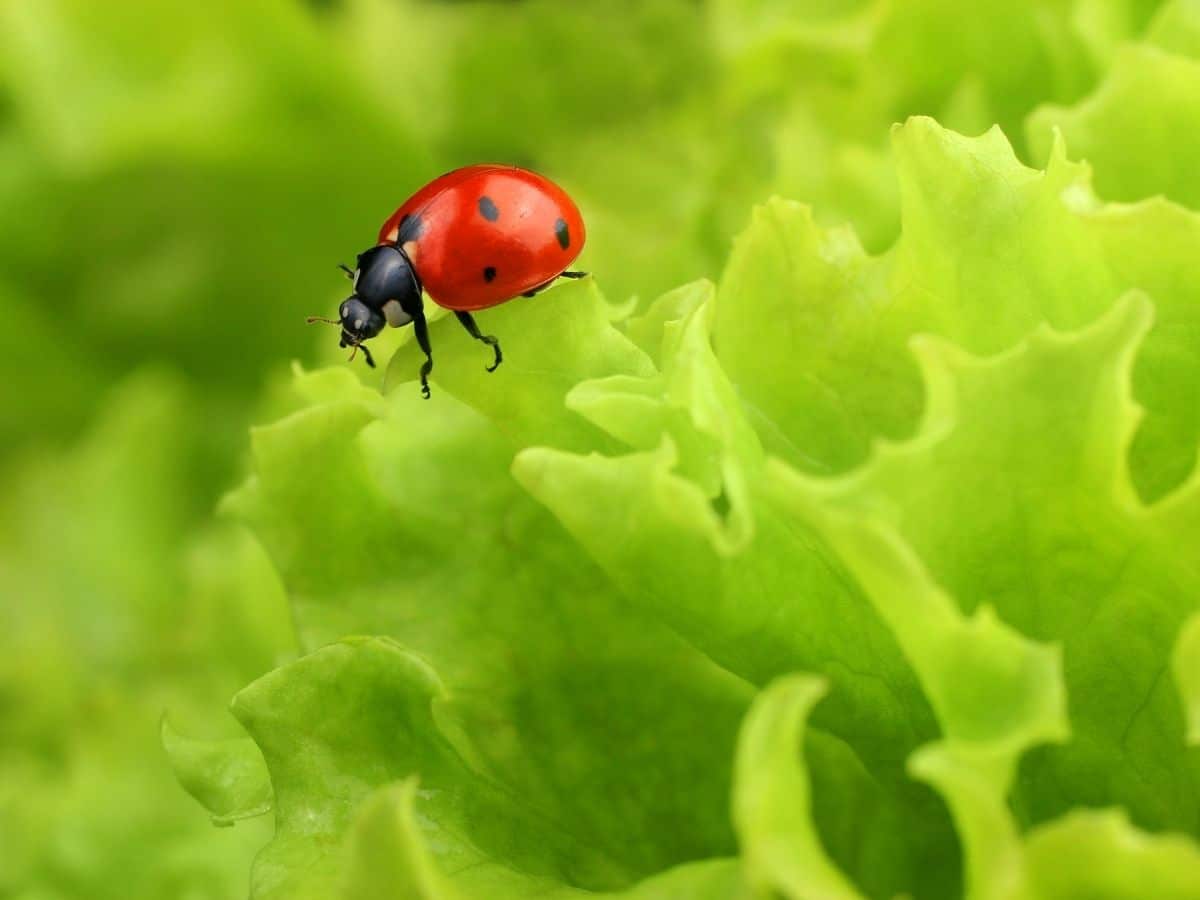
(561,232)
(410,229)
(488,209)
(489,273)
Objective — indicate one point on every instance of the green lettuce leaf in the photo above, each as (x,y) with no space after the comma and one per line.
(962,594)
(990,249)
(369,714)
(1058,546)
(534,651)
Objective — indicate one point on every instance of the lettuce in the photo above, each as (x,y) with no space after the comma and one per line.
(870,557)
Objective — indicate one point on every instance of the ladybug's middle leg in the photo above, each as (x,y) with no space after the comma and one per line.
(490,339)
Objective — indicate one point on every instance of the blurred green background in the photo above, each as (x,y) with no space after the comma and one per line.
(177,183)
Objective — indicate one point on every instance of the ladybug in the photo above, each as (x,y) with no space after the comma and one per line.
(470,239)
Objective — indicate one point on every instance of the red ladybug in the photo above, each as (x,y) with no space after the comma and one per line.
(471,239)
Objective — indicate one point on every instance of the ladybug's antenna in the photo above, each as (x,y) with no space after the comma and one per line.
(345,268)
(354,348)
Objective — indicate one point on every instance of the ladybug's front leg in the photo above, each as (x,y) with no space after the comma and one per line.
(468,322)
(417,311)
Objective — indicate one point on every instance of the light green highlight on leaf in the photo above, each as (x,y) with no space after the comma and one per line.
(1098,854)
(974,782)
(1185,667)
(385,855)
(771,799)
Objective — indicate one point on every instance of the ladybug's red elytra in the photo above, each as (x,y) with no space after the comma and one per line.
(471,239)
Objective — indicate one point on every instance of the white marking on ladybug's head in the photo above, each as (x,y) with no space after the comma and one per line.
(358,324)
(357,274)
(395,314)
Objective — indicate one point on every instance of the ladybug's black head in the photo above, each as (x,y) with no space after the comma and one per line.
(358,322)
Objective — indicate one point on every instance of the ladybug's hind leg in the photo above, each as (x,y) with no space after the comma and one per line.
(541,287)
(490,339)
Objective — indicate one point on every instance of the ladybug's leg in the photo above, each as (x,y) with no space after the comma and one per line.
(537,290)
(422,331)
(490,339)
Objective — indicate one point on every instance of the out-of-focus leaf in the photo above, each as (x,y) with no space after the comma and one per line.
(113,602)
(180,168)
(1137,129)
